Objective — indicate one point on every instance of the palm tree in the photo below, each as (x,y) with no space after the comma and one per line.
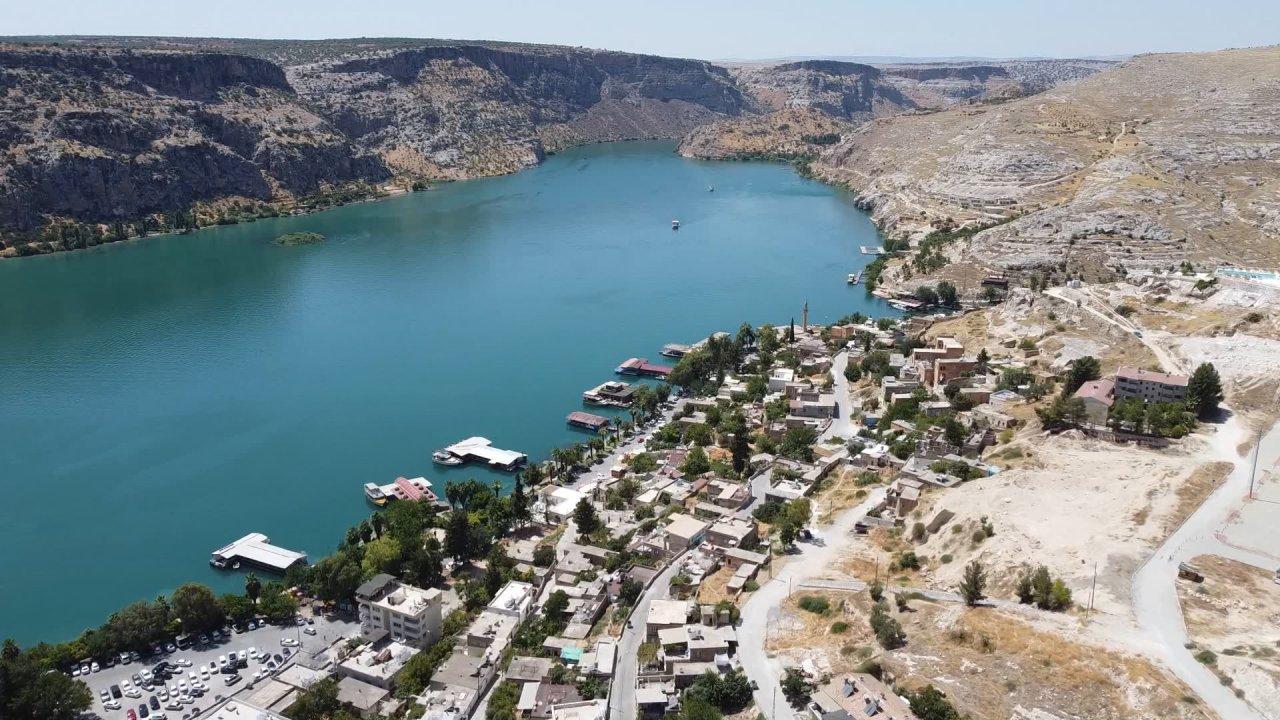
(379,522)
(252,587)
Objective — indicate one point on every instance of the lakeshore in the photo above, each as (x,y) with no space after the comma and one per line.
(181,372)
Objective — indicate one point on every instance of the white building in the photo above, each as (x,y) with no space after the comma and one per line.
(408,614)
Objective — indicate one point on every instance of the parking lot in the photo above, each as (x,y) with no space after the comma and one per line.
(264,639)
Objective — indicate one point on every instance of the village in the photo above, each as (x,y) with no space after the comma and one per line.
(642,573)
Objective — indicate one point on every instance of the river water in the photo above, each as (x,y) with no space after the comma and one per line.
(161,397)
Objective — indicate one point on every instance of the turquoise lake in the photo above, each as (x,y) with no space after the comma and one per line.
(160,398)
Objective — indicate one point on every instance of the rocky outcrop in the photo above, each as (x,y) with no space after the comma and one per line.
(115,131)
(843,90)
(1164,159)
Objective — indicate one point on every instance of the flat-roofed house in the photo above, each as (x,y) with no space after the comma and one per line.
(1150,386)
(684,531)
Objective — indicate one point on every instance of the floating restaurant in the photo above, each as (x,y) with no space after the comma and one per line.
(641,366)
(256,549)
(479,449)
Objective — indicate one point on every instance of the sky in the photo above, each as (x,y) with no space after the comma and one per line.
(711,29)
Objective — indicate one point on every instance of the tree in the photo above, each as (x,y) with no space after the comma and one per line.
(519,501)
(695,708)
(30,691)
(238,608)
(139,626)
(1082,370)
(317,702)
(276,604)
(973,584)
(557,602)
(947,294)
(741,448)
(457,538)
(695,462)
(196,608)
(252,587)
(1204,390)
(887,630)
(795,686)
(493,574)
(336,578)
(1062,412)
(930,704)
(797,443)
(381,556)
(927,295)
(584,516)
(502,702)
(629,591)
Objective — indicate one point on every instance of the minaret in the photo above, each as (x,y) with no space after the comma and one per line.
(805,323)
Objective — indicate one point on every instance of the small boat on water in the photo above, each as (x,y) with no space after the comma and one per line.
(711,188)
(444,457)
(373,493)
(854,277)
(675,224)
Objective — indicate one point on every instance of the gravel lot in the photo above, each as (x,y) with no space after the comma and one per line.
(267,638)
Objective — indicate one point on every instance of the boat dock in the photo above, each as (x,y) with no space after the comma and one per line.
(878,250)
(256,549)
(610,394)
(415,489)
(641,366)
(675,350)
(479,449)
(587,421)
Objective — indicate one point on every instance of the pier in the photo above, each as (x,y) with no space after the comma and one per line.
(415,489)
(675,350)
(479,449)
(256,549)
(878,250)
(641,366)
(587,421)
(610,394)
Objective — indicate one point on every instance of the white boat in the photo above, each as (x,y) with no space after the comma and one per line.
(675,224)
(373,493)
(440,457)
(711,188)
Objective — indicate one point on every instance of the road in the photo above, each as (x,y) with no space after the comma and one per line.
(812,560)
(1155,594)
(264,638)
(623,694)
(842,424)
(1156,342)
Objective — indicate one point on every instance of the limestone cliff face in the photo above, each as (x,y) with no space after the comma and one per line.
(108,135)
(110,130)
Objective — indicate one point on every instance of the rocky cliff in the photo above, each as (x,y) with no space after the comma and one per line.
(1163,159)
(102,138)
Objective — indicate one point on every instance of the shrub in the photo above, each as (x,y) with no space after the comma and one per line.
(888,632)
(815,604)
(907,560)
(1207,657)
(839,627)
(946,558)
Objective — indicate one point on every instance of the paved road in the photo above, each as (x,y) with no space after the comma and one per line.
(762,607)
(264,638)
(1155,594)
(842,425)
(623,694)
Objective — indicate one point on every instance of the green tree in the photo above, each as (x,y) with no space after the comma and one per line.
(556,605)
(1082,370)
(695,462)
(797,443)
(458,536)
(196,608)
(30,691)
(741,448)
(238,608)
(927,295)
(947,294)
(381,556)
(930,704)
(317,702)
(519,501)
(502,702)
(795,686)
(277,605)
(973,583)
(336,578)
(1204,390)
(585,517)
(252,587)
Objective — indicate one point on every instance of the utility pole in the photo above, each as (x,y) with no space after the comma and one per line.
(1092,586)
(1253,474)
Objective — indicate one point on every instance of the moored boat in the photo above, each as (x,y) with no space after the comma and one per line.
(444,457)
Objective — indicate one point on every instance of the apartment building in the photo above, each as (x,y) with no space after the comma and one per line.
(408,614)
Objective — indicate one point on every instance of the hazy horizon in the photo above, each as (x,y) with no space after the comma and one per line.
(716,30)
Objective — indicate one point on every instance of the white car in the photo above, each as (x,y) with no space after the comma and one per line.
(95,667)
(253,653)
(147,676)
(309,630)
(288,642)
(222,661)
(75,671)
(204,672)
(174,706)
(183,662)
(112,705)
(133,692)
(192,676)
(105,695)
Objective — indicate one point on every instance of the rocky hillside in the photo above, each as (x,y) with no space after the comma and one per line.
(841,95)
(1165,158)
(102,139)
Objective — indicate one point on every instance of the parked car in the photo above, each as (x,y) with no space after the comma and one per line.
(153,702)
(126,658)
(288,642)
(232,679)
(131,714)
(115,691)
(95,667)
(309,630)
